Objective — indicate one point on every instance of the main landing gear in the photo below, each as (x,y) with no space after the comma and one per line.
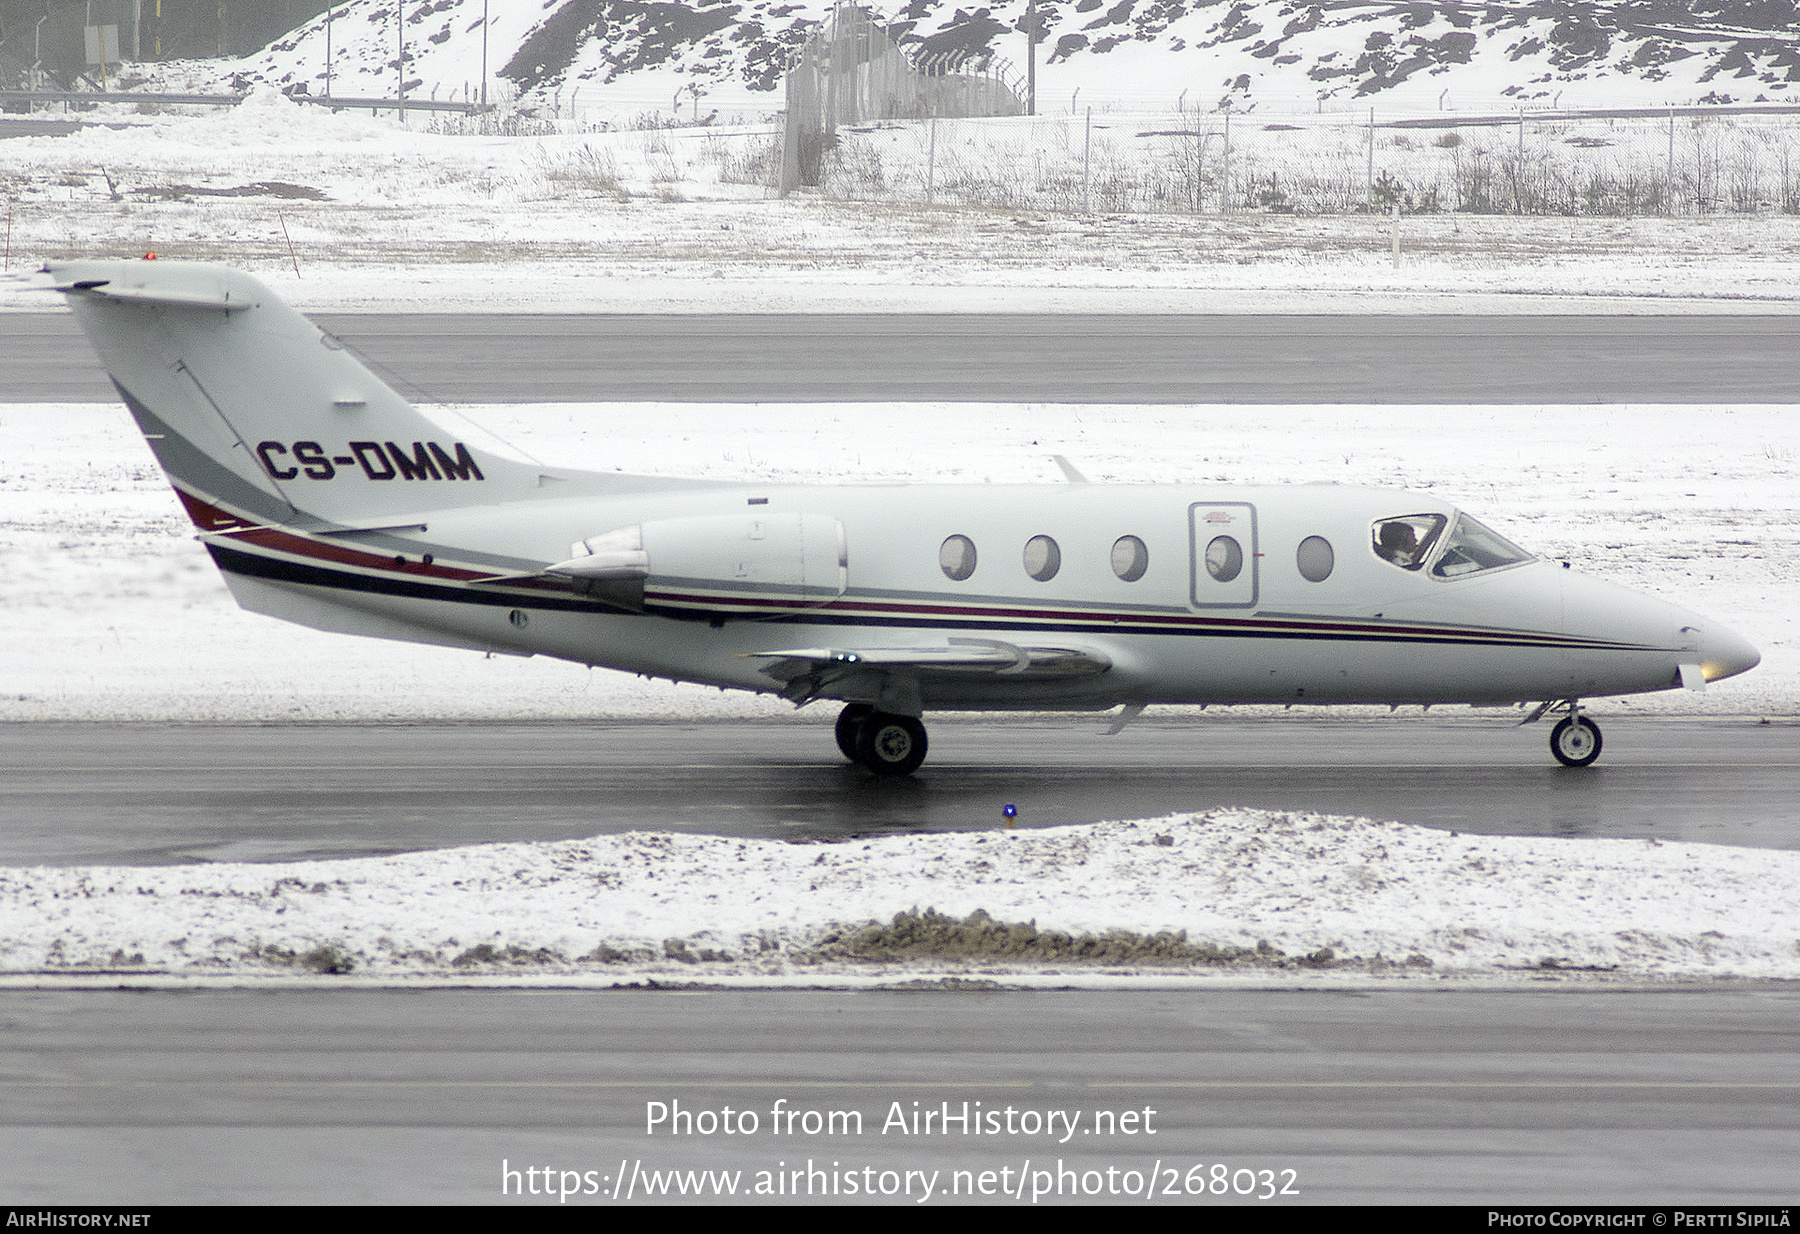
(888,745)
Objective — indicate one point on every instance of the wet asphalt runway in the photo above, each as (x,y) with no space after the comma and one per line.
(1550,1096)
(153,794)
(1060,358)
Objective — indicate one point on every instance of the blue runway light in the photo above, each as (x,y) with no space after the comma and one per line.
(1010,810)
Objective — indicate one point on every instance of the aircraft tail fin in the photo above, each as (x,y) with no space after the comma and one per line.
(261,418)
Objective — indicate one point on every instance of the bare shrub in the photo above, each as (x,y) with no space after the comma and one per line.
(759,162)
(586,170)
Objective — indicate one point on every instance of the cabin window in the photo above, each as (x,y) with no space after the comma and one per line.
(1224,558)
(1406,541)
(1042,558)
(1130,558)
(1472,547)
(1315,559)
(956,556)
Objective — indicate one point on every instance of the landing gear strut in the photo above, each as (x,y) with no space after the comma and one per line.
(888,745)
(1575,741)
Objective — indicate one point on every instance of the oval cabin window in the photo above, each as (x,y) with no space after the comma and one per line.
(1130,558)
(1042,558)
(1224,559)
(1315,559)
(957,558)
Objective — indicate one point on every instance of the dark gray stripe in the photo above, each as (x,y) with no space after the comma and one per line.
(255,565)
(186,462)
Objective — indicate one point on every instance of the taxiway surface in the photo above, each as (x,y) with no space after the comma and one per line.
(79,794)
(333,1096)
(1055,358)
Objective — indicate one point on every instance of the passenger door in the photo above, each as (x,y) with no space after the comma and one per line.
(1223,553)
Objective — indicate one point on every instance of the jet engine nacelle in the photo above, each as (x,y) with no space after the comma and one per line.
(742,565)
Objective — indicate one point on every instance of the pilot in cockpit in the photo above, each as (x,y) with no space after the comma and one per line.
(1396,541)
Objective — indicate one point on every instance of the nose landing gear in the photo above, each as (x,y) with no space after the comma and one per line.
(1575,741)
(887,745)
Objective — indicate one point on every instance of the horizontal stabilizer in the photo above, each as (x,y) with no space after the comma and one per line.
(175,297)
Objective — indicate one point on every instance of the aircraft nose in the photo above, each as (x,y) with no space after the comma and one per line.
(1725,653)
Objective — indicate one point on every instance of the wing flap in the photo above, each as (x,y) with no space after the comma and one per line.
(958,655)
(896,657)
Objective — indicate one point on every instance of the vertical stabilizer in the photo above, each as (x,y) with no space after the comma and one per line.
(257,414)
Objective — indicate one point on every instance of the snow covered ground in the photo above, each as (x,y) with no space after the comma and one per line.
(111,611)
(377,216)
(1241,896)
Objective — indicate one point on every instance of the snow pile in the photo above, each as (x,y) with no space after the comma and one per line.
(1236,891)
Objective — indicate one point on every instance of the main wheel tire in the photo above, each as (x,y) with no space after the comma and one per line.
(1575,742)
(848,721)
(890,745)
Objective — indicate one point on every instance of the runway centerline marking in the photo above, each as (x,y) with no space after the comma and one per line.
(1474,1084)
(533,1084)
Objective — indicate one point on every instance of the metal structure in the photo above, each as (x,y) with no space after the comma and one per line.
(81,98)
(854,71)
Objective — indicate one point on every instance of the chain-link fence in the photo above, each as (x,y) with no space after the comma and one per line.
(1136,163)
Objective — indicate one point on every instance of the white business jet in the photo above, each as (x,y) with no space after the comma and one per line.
(328,500)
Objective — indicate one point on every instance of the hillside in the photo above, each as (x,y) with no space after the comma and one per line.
(621,56)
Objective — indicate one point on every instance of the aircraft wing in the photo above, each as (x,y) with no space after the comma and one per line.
(957,655)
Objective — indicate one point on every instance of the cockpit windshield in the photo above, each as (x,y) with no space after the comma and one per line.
(1407,540)
(1472,548)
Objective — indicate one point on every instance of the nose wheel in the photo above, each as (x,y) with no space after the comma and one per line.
(1575,741)
(887,745)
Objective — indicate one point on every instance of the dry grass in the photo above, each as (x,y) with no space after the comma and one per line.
(931,935)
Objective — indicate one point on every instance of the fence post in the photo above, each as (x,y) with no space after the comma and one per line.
(1369,195)
(1087,154)
(931,165)
(1225,168)
(1669,204)
(1519,179)
(1199,162)
(1699,169)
